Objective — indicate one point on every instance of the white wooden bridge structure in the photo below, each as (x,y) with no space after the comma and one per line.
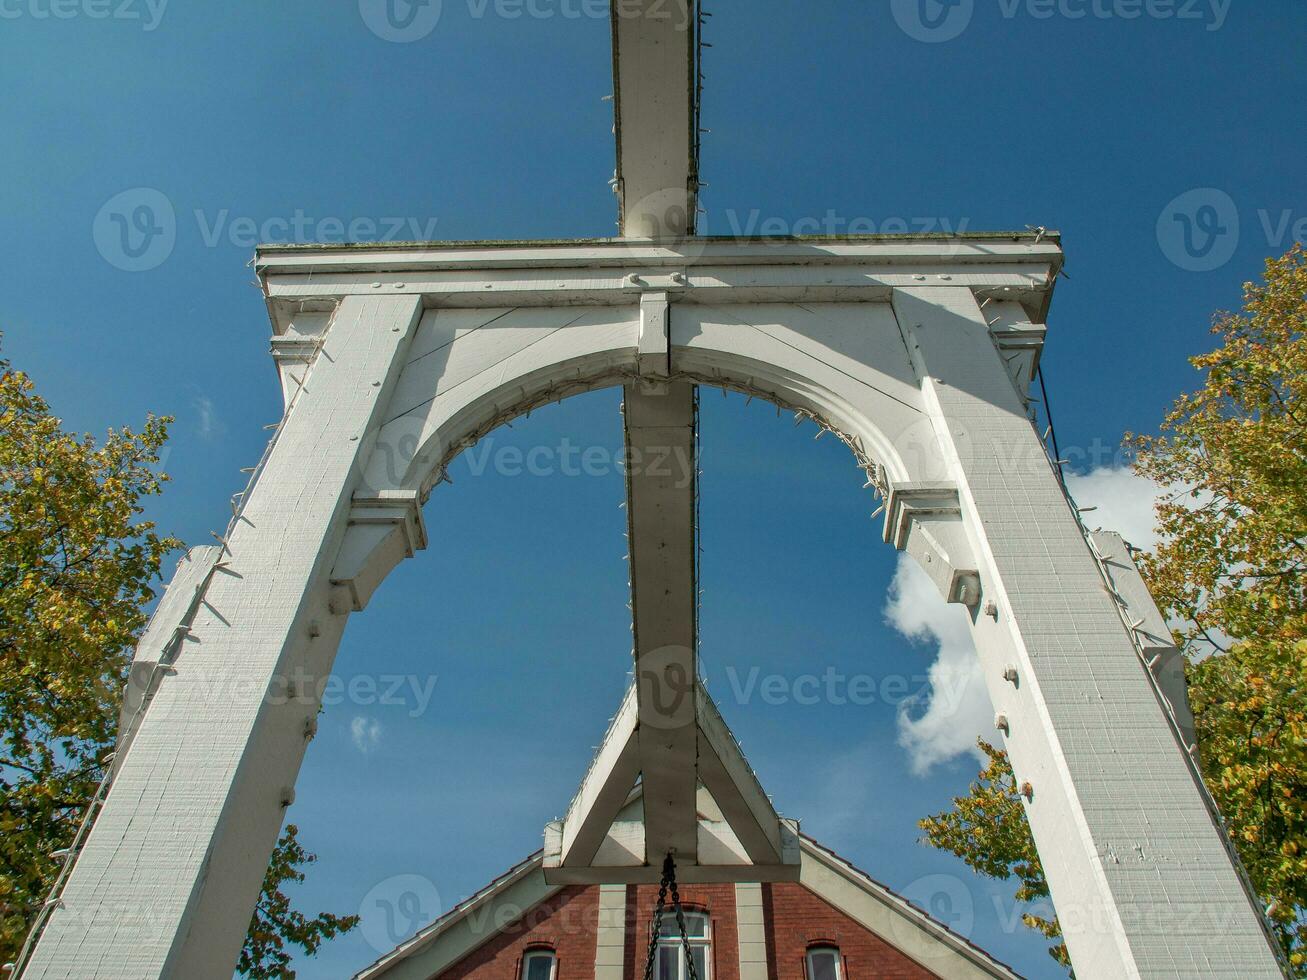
(917,351)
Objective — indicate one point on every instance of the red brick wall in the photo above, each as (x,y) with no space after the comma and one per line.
(796,919)
(568,922)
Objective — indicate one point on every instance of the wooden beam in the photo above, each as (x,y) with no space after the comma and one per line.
(656,122)
(605,789)
(735,787)
(661,484)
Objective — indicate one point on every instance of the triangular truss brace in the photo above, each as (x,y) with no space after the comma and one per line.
(605,839)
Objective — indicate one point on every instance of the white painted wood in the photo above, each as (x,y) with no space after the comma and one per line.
(720,845)
(473,370)
(917,254)
(161,640)
(654,117)
(661,481)
(654,359)
(919,389)
(796,282)
(1143,884)
(845,363)
(696,874)
(171,869)
(605,788)
(1150,629)
(605,834)
(384,528)
(734,786)
(925,520)
(1019,341)
(622,847)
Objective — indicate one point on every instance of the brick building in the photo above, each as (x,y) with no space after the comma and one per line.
(834,923)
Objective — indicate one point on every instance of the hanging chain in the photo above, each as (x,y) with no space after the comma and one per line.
(669,872)
(669,881)
(657,925)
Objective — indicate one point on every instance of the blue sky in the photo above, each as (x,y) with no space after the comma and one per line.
(1119,125)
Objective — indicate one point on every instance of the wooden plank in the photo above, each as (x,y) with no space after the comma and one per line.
(605,789)
(689,874)
(655,121)
(661,485)
(735,787)
(273,260)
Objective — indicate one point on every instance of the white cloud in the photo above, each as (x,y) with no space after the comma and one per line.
(1124,501)
(366,733)
(207,422)
(944,724)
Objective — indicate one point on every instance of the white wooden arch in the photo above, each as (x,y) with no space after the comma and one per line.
(918,352)
(864,392)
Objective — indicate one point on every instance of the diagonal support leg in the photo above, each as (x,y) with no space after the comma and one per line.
(605,789)
(1143,883)
(166,881)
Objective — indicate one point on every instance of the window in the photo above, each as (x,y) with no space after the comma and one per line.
(824,963)
(670,961)
(538,964)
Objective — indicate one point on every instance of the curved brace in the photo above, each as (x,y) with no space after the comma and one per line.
(846,364)
(471,370)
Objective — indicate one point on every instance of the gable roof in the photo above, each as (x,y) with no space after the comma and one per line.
(909,914)
(852,891)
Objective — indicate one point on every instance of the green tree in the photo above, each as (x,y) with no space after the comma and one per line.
(988,829)
(77,560)
(1229,574)
(275,924)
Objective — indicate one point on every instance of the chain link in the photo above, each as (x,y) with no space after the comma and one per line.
(668,881)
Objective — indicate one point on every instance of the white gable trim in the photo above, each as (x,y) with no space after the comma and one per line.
(466,926)
(894,919)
